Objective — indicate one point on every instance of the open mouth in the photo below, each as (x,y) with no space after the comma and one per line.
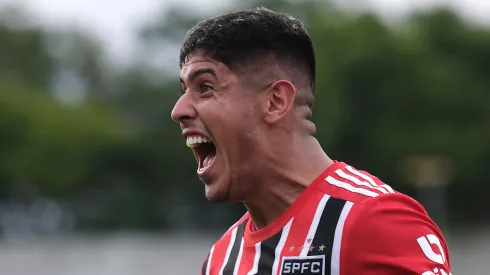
(204,151)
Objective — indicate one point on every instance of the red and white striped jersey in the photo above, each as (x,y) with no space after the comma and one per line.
(346,222)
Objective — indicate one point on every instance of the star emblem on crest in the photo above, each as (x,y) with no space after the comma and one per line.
(310,248)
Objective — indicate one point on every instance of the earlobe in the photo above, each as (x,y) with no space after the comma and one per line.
(280,99)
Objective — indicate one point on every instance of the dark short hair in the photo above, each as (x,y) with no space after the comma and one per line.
(239,37)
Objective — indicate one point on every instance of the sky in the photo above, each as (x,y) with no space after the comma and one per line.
(115,21)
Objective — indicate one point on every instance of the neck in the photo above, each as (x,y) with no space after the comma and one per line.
(286,176)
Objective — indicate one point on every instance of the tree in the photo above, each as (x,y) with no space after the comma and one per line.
(385,94)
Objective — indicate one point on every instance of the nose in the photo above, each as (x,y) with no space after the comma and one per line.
(183,109)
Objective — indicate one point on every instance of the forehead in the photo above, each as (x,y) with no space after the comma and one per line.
(200,62)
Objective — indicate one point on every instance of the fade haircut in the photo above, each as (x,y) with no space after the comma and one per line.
(260,45)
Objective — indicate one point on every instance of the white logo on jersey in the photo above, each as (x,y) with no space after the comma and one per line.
(425,242)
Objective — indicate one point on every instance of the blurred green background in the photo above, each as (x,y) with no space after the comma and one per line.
(87,144)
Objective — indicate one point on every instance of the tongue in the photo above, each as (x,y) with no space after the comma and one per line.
(209,160)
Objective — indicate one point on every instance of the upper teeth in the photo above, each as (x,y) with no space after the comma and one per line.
(195,140)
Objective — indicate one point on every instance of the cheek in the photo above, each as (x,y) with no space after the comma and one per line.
(234,122)
(244,123)
(236,116)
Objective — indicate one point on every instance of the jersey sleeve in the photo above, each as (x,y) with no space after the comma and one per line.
(391,235)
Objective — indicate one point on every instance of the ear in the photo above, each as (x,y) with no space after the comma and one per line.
(280,100)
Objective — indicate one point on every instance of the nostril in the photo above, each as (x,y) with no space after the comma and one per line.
(183,118)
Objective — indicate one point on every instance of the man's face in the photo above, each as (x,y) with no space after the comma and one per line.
(219,120)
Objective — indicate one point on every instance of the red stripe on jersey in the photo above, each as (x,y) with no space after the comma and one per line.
(298,234)
(219,253)
(248,259)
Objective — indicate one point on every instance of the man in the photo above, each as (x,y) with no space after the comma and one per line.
(248,84)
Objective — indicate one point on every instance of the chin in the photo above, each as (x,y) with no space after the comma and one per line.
(216,195)
(218,191)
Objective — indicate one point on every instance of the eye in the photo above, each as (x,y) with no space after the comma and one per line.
(205,87)
(182,90)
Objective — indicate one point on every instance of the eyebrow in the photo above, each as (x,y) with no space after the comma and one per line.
(199,72)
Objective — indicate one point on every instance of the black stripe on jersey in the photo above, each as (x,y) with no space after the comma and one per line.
(325,231)
(205,265)
(268,254)
(235,249)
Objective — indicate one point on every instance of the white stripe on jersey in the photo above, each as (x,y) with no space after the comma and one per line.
(337,241)
(255,267)
(351,188)
(280,246)
(357,181)
(239,258)
(314,224)
(209,260)
(228,250)
(369,179)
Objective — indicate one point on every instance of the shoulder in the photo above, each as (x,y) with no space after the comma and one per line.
(372,201)
(395,233)
(383,231)
(378,212)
